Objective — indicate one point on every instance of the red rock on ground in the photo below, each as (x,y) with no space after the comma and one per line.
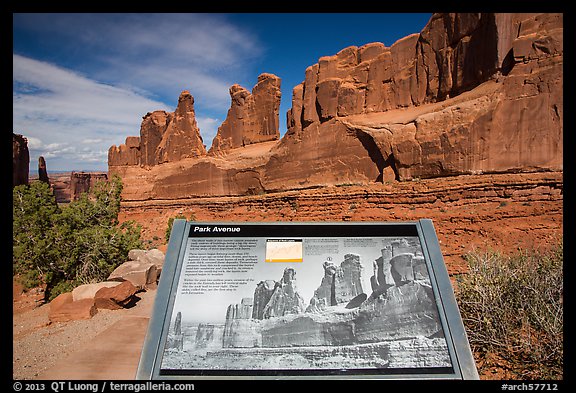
(64,309)
(117,297)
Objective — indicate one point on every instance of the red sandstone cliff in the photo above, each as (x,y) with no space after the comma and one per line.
(20,160)
(164,137)
(252,118)
(470,94)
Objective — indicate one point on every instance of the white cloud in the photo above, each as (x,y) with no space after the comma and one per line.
(161,53)
(208,129)
(34,143)
(130,64)
(92,140)
(60,110)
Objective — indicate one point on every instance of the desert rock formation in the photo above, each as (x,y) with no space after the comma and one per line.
(164,137)
(20,160)
(340,284)
(470,94)
(42,171)
(82,182)
(252,117)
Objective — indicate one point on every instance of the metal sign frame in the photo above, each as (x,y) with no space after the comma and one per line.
(462,361)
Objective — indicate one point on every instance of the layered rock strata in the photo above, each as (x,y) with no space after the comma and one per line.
(470,94)
(262,295)
(272,299)
(285,300)
(209,336)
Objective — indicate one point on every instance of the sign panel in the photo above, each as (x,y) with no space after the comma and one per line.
(282,300)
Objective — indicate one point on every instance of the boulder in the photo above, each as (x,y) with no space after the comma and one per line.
(116,297)
(60,300)
(156,257)
(153,256)
(140,273)
(88,291)
(63,308)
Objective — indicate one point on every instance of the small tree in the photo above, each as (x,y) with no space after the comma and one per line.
(34,210)
(79,243)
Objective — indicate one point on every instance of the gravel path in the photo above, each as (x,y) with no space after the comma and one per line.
(39,344)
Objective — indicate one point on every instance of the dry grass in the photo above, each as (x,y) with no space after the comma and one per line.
(512,309)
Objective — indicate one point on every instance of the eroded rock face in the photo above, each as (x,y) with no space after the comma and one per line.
(20,160)
(82,182)
(164,137)
(209,336)
(42,171)
(470,94)
(262,295)
(252,117)
(402,311)
(396,106)
(182,136)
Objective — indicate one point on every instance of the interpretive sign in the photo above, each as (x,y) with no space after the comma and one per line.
(306,300)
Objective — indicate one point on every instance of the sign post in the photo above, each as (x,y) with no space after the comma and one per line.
(305,300)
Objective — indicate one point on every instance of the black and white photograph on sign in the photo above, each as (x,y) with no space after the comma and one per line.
(304,304)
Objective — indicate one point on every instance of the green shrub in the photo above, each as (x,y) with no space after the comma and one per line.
(75,244)
(170,224)
(34,209)
(512,307)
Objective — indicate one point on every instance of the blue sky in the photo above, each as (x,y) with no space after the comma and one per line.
(82,82)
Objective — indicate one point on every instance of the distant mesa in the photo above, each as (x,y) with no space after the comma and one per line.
(470,94)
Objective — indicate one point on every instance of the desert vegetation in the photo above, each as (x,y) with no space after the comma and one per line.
(60,247)
(512,309)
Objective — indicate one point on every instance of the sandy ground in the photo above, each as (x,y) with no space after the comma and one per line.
(39,345)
